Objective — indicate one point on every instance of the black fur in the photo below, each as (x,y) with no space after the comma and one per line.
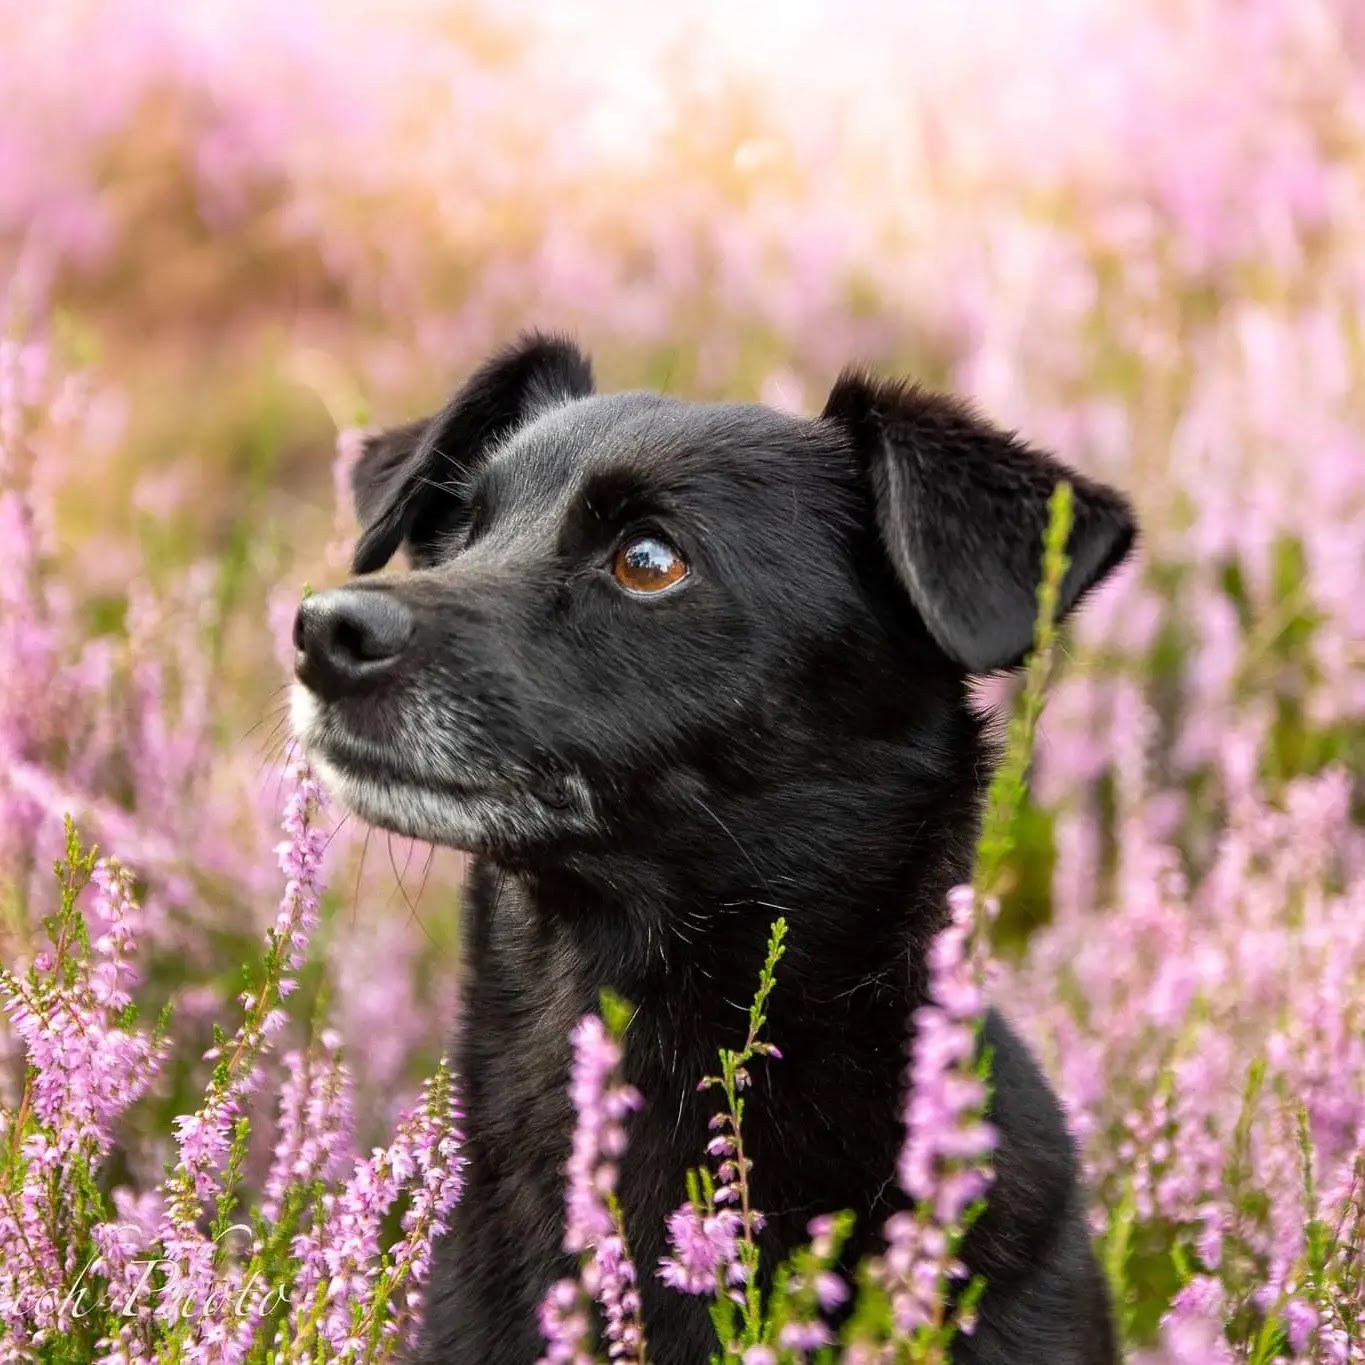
(787,732)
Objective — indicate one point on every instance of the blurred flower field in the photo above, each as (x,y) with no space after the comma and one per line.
(232,232)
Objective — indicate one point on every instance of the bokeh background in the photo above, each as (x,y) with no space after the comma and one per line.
(233,231)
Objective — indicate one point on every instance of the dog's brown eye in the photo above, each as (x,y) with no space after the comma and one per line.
(648,565)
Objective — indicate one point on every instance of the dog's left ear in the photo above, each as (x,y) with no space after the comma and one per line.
(409,482)
(961,508)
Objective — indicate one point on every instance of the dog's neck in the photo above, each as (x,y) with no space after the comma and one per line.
(862,890)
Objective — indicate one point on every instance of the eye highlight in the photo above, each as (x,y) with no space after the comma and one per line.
(648,564)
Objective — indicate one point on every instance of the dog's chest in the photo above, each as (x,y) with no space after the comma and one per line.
(527,984)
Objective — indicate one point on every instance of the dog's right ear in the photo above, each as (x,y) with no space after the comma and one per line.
(961,507)
(409,483)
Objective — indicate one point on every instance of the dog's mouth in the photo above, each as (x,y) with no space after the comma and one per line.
(469,807)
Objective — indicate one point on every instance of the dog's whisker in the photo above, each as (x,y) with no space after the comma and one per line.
(401,889)
(340,825)
(407,862)
(273,745)
(359,872)
(269,714)
(729,833)
(426,871)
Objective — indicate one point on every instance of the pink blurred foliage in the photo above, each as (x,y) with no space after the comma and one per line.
(1132,230)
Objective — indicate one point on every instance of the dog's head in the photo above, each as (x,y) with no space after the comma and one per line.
(624,609)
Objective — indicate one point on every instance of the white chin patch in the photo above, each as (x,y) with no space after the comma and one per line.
(460,821)
(466,820)
(303,714)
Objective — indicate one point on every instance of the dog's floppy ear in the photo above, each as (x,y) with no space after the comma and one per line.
(409,481)
(961,508)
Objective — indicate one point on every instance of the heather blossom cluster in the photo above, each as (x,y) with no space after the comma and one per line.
(594,1227)
(347,1277)
(944,1163)
(88,1061)
(205,1137)
(705,1246)
(130,1275)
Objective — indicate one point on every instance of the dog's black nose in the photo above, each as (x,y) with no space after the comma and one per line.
(347,639)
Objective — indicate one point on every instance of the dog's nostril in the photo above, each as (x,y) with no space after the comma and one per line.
(351,638)
(374,626)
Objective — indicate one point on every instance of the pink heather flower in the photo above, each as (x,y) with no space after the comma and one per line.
(86,1068)
(830,1291)
(860,1353)
(944,1162)
(610,1278)
(564,1325)
(313,1143)
(804,1336)
(203,1138)
(599,1134)
(1301,1319)
(435,1190)
(724,1150)
(316,1124)
(601,1102)
(705,1248)
(946,1143)
(191,1260)
(340,1253)
(1192,1330)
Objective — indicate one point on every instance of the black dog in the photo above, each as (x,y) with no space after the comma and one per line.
(670,670)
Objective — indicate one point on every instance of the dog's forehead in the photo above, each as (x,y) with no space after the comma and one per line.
(556,454)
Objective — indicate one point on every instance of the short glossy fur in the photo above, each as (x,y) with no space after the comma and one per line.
(648,781)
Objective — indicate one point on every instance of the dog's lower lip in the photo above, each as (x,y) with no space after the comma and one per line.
(379,770)
(369,771)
